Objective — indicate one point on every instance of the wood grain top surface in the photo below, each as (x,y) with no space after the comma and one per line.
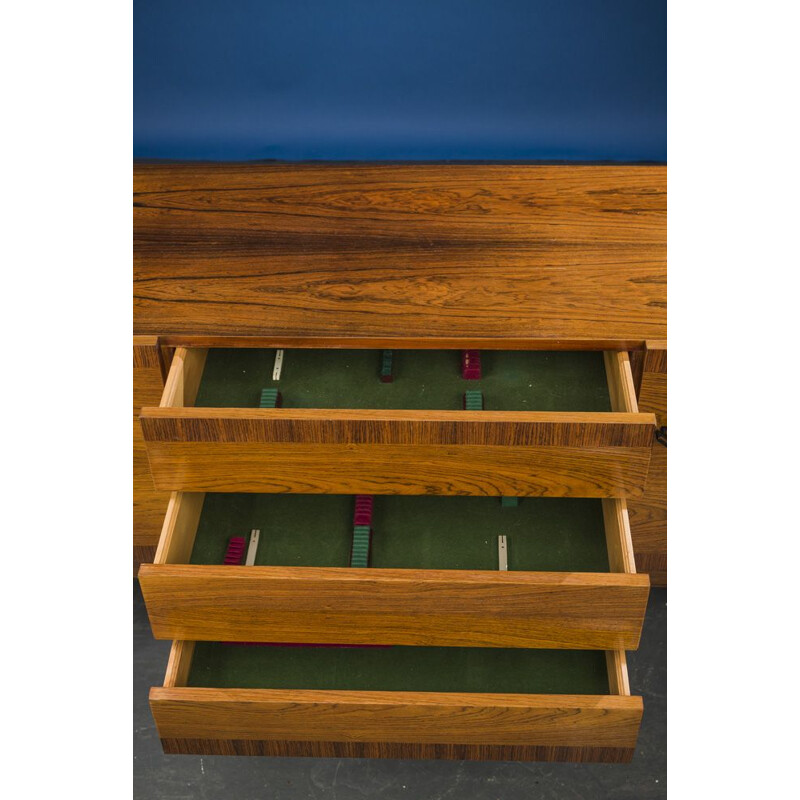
(413,254)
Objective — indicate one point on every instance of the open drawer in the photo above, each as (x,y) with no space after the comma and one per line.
(554,423)
(397,702)
(433,576)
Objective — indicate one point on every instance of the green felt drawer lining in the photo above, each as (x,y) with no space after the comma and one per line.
(423,379)
(420,669)
(409,531)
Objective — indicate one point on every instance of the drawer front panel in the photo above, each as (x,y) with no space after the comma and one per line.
(405,750)
(263,714)
(399,469)
(401,607)
(334,426)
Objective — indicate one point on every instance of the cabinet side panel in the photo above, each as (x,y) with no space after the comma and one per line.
(648,514)
(149,504)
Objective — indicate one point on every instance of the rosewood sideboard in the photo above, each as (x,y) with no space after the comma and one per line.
(438,394)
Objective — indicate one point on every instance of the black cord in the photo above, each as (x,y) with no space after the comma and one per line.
(661,435)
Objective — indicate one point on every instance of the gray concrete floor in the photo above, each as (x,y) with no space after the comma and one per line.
(160,777)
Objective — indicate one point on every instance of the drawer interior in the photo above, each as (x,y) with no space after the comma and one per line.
(409,531)
(516,380)
(468,446)
(403,669)
(432,577)
(397,702)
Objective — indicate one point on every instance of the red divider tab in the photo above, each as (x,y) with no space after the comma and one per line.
(471,365)
(235,551)
(363,512)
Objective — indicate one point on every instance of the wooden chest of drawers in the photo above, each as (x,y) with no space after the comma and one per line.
(204,710)
(557,276)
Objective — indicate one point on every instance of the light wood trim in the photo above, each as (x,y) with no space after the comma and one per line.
(185,374)
(289,714)
(617,663)
(173,394)
(618,536)
(180,528)
(467,608)
(415,427)
(621,387)
(399,469)
(179,664)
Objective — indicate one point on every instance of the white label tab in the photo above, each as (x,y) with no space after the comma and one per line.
(252,547)
(276,370)
(502,553)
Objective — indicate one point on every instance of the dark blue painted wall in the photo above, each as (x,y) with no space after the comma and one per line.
(412,79)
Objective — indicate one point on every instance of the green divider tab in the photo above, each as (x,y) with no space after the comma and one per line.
(359,556)
(269,398)
(473,400)
(509,502)
(386,366)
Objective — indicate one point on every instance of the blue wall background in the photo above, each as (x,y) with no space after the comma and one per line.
(412,79)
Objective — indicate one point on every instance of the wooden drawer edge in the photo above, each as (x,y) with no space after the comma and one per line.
(177,420)
(566,610)
(379,342)
(375,717)
(341,451)
(404,750)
